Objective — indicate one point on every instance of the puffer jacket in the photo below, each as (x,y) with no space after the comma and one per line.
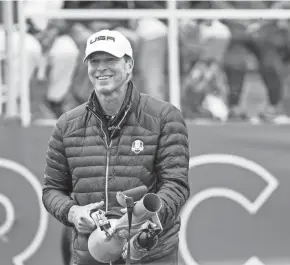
(87,162)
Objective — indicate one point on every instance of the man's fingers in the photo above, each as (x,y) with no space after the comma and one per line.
(85,230)
(88,222)
(96,205)
(86,225)
(124,210)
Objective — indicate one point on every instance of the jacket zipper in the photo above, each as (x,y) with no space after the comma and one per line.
(107,173)
(108,150)
(107,159)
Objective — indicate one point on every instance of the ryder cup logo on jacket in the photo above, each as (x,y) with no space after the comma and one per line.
(137,146)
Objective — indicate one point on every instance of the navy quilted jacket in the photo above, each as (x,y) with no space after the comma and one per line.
(88,161)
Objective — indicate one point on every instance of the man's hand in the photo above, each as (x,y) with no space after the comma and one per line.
(47,38)
(80,217)
(80,33)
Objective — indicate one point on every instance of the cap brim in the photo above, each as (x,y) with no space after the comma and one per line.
(104,48)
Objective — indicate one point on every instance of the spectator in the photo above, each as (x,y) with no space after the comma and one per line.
(204,56)
(284,50)
(59,53)
(152,34)
(203,44)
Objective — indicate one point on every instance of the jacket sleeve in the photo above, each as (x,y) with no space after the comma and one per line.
(172,164)
(57,179)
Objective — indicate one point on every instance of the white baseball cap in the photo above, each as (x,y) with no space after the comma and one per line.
(109,41)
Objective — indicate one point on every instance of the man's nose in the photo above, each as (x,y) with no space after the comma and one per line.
(102,66)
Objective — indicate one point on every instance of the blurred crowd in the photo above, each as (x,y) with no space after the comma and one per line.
(215,57)
(218,56)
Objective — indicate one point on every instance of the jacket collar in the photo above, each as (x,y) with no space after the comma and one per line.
(130,103)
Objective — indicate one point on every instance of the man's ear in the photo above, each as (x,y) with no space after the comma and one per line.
(130,65)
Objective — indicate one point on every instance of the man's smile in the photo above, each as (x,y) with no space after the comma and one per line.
(104,77)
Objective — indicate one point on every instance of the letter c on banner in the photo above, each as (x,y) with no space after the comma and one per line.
(251,207)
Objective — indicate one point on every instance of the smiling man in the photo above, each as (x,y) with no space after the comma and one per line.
(110,66)
(119,140)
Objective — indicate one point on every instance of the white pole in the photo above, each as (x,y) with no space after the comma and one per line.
(1,87)
(25,113)
(1,61)
(11,110)
(86,14)
(173,52)
(1,70)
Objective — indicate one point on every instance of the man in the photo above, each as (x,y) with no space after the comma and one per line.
(92,152)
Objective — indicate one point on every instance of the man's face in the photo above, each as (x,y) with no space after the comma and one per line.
(107,72)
